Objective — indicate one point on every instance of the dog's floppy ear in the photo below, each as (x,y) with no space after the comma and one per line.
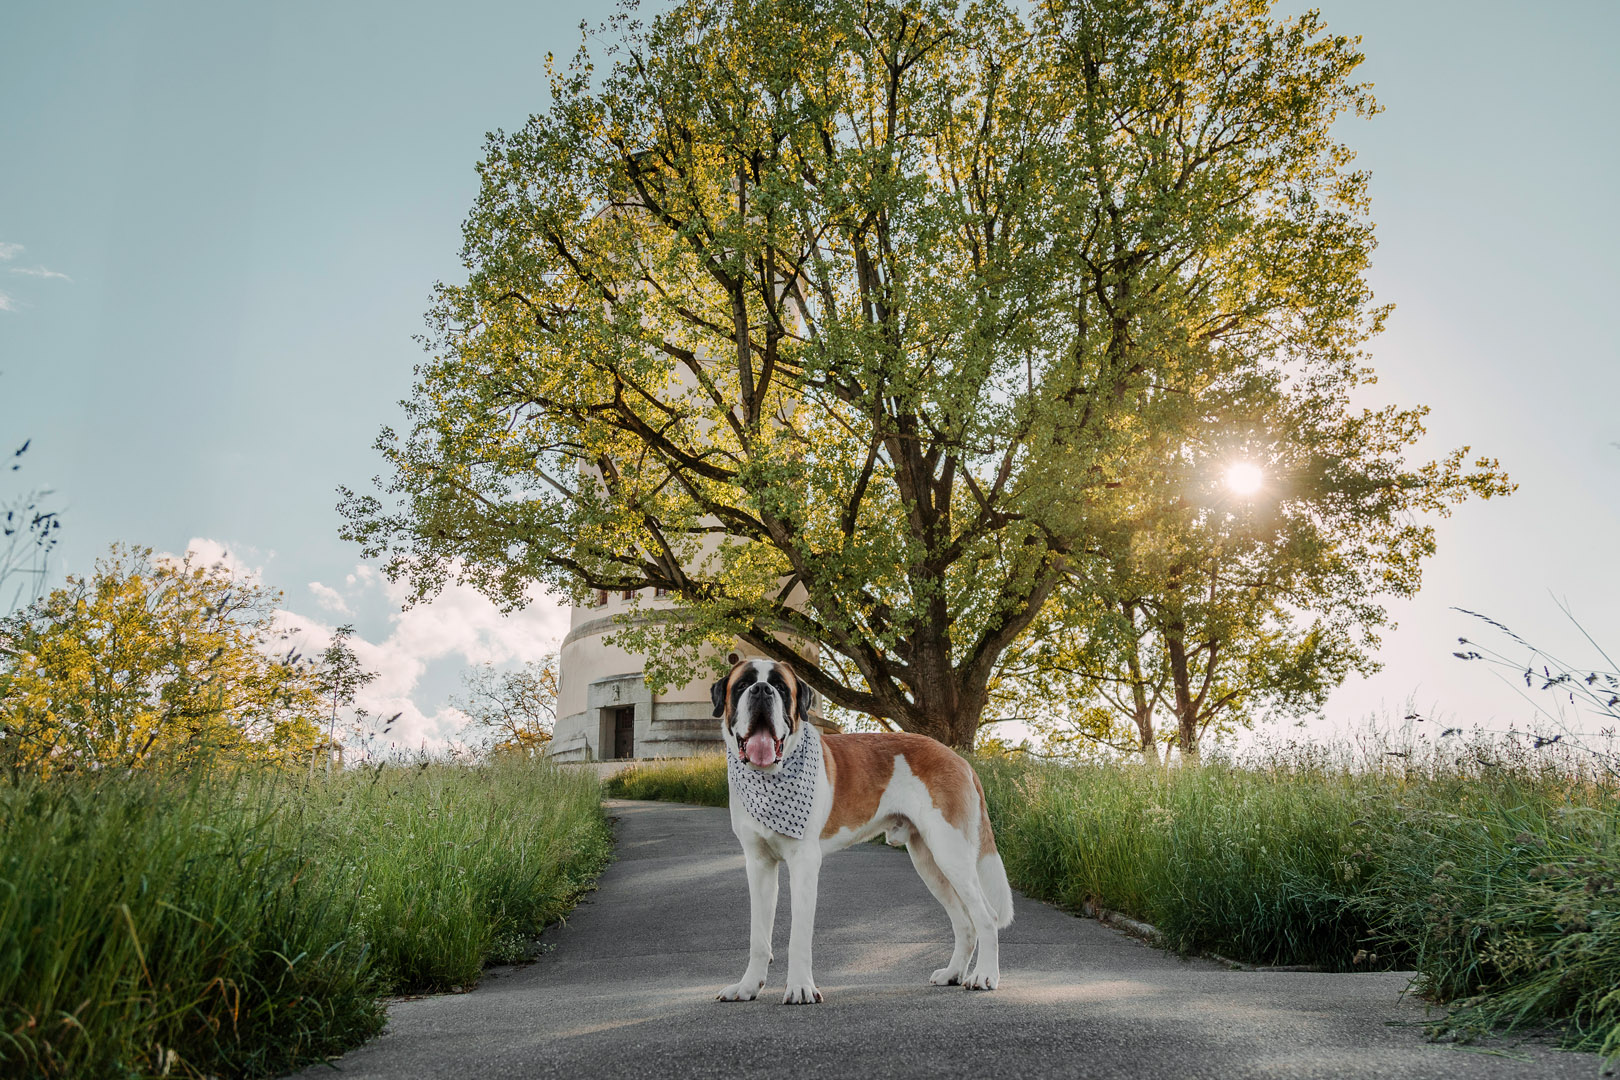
(717,694)
(806,700)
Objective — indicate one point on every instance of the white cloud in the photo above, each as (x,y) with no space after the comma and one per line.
(459,623)
(205,552)
(7,303)
(329,598)
(40,272)
(10,251)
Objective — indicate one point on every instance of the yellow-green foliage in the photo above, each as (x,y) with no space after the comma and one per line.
(148,660)
(241,924)
(700,780)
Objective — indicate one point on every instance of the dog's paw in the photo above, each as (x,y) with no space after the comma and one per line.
(981,981)
(945,977)
(747,990)
(801,994)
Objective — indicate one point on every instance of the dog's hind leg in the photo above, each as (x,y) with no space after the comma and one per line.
(961,925)
(762,877)
(957,859)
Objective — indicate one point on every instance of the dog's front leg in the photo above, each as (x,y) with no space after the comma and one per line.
(804,872)
(761,918)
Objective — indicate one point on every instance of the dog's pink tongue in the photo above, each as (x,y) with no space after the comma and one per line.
(760,749)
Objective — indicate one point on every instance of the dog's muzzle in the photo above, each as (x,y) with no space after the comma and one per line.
(761,749)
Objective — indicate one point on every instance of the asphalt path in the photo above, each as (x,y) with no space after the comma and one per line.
(628,987)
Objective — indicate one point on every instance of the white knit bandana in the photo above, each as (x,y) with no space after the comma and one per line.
(780,800)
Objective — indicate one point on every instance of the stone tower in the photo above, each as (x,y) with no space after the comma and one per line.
(606,711)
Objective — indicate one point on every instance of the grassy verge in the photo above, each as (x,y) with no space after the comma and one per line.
(1495,880)
(1252,865)
(245,924)
(699,780)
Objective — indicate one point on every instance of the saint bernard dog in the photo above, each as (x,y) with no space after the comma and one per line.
(798,794)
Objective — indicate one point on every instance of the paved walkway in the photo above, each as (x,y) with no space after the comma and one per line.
(628,992)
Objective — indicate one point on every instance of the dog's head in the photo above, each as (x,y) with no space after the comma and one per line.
(765,708)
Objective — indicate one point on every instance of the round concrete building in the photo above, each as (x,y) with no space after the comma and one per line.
(605,709)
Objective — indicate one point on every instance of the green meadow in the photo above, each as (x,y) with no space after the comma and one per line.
(244,923)
(1492,873)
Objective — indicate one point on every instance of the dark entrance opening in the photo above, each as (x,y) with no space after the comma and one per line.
(624,732)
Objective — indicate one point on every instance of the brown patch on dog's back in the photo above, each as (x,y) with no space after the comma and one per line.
(859,768)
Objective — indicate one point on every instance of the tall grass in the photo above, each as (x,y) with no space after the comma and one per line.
(1246,863)
(699,780)
(1492,875)
(242,924)
(151,926)
(1503,889)
(459,866)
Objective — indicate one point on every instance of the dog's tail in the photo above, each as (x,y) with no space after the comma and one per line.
(992,874)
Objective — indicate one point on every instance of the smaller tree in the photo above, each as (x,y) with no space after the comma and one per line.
(151,659)
(1216,666)
(1245,571)
(1090,679)
(340,678)
(516,708)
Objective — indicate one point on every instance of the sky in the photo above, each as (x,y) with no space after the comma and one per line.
(220,224)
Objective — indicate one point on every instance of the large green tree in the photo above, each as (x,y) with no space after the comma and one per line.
(850,323)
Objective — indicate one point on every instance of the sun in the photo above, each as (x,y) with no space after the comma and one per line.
(1245,478)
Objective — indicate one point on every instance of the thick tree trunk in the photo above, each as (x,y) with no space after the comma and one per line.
(957,732)
(963,731)
(951,716)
